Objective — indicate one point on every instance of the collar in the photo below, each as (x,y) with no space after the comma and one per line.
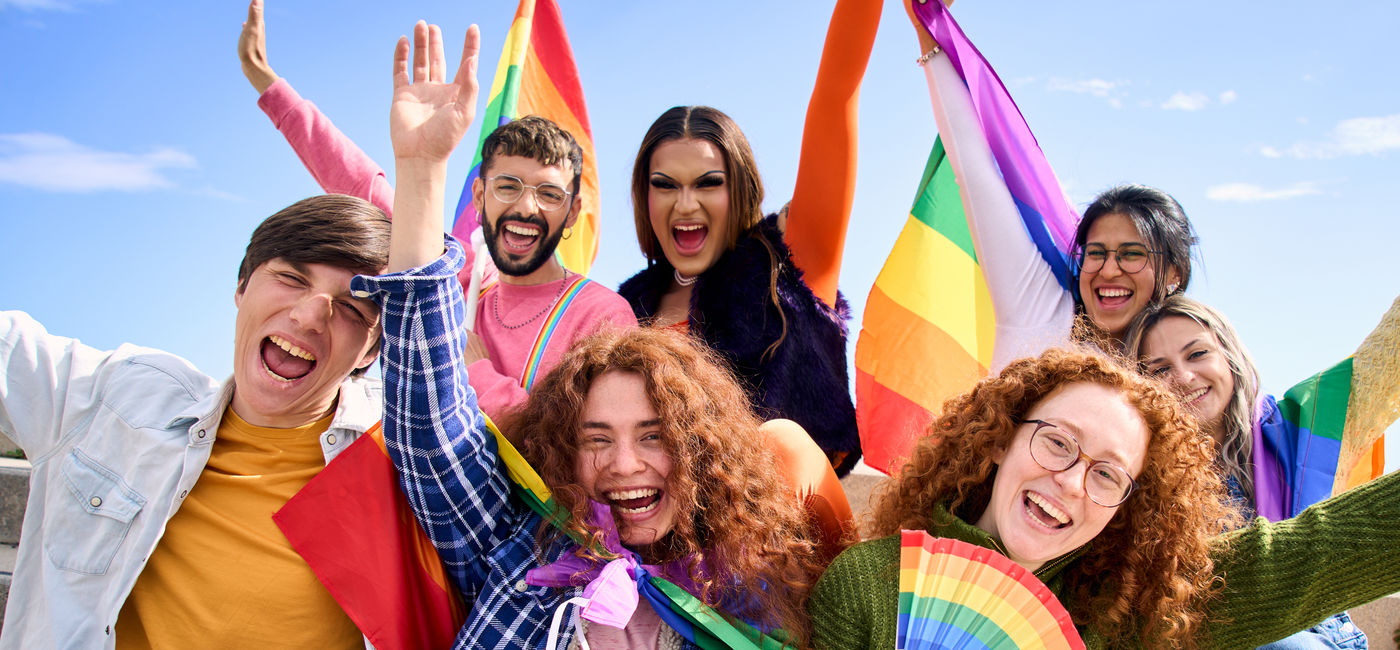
(944,523)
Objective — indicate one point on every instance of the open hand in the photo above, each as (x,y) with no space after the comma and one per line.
(252,50)
(429,115)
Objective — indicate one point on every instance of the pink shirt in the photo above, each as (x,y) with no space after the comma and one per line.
(340,167)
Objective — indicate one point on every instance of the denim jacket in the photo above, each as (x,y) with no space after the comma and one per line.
(117,440)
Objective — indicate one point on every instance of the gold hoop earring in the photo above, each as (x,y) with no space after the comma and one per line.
(568,232)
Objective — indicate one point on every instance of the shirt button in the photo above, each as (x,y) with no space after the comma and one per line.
(183,493)
(200,434)
(521,585)
(360,294)
(330,438)
(95,501)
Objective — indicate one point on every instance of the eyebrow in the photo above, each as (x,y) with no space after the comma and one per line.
(594,424)
(1078,433)
(1189,344)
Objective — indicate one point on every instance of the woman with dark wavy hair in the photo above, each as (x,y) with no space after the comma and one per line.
(1098,481)
(760,290)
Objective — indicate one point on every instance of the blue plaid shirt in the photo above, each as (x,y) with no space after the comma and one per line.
(447,460)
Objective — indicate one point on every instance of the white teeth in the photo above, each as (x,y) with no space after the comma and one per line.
(689,226)
(1114,292)
(521,230)
(291,349)
(1195,394)
(1059,515)
(622,495)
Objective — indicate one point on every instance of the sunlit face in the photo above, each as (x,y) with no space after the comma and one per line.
(297,336)
(520,235)
(621,459)
(1111,297)
(688,202)
(1040,515)
(1187,354)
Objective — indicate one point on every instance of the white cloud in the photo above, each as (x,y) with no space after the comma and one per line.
(54,163)
(1095,87)
(1248,193)
(1228,97)
(1354,137)
(36,5)
(1186,102)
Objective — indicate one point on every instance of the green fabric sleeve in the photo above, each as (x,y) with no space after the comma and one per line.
(1286,576)
(855,604)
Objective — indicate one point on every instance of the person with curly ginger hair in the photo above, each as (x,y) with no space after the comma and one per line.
(647,442)
(652,426)
(1127,539)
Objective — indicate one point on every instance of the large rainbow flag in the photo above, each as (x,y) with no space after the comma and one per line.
(1327,434)
(537,76)
(929,326)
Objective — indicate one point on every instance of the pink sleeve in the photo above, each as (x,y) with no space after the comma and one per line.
(334,161)
(495,393)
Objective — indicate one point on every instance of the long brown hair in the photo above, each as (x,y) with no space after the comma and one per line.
(752,551)
(741,177)
(1149,571)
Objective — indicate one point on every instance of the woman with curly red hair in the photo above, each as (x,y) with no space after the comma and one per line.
(1127,538)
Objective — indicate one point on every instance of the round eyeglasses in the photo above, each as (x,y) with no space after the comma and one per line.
(1131,257)
(509,189)
(1106,484)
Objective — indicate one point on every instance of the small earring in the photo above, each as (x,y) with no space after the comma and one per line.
(568,232)
(1171,288)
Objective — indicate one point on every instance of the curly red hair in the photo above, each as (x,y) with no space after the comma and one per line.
(752,551)
(1149,573)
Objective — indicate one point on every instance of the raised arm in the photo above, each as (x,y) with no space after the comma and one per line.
(448,464)
(1285,576)
(826,170)
(335,162)
(1033,311)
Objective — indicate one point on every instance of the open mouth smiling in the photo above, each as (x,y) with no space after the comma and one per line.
(519,236)
(1042,511)
(635,501)
(284,360)
(689,237)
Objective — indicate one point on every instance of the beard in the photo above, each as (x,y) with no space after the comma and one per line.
(516,265)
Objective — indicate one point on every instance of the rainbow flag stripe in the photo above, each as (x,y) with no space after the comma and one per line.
(551,321)
(929,326)
(953,594)
(537,76)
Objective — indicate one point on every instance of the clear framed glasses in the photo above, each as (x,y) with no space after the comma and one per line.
(1131,257)
(1106,484)
(509,189)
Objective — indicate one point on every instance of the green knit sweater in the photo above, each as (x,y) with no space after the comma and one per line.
(1279,577)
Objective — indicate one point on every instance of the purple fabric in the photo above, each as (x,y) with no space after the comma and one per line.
(1047,214)
(611,588)
(1270,481)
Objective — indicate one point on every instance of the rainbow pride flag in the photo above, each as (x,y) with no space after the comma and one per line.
(537,76)
(929,327)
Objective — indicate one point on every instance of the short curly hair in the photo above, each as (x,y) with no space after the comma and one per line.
(752,548)
(1149,573)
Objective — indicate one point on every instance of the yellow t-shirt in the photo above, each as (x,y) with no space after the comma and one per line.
(223,575)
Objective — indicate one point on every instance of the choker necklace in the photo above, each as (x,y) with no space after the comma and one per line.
(496,305)
(685,280)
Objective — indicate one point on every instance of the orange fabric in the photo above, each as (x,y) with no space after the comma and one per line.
(808,472)
(224,566)
(826,170)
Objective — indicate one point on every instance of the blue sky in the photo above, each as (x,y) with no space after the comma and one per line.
(134,162)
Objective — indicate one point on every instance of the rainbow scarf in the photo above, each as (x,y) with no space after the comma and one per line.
(929,326)
(537,76)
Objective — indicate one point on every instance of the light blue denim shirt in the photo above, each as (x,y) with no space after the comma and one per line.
(117,439)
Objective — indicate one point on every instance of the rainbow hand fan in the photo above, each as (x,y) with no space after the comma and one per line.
(958,595)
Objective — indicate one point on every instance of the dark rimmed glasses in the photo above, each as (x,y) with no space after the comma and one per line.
(1131,257)
(509,189)
(1106,484)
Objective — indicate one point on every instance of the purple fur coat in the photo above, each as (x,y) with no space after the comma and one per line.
(805,379)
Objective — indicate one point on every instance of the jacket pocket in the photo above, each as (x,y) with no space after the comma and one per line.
(93,518)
